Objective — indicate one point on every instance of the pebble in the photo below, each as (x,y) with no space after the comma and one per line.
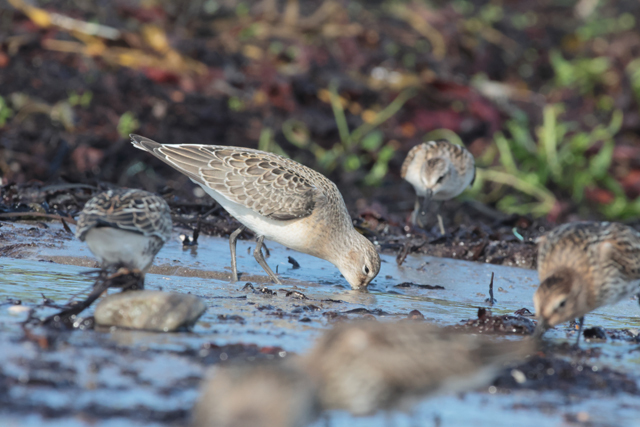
(149,310)
(18,309)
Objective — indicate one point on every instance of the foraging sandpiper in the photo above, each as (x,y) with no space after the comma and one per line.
(125,227)
(583,266)
(261,394)
(438,170)
(278,199)
(366,366)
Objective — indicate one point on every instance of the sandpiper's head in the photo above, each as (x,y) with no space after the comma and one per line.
(440,179)
(361,263)
(561,297)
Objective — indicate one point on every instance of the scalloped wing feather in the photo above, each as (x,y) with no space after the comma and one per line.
(260,181)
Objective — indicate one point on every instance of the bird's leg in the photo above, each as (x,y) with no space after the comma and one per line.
(419,215)
(580,323)
(416,212)
(233,238)
(441,224)
(257,253)
(129,279)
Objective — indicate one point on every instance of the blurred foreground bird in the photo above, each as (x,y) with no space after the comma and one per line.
(278,199)
(438,170)
(368,366)
(125,228)
(361,367)
(583,266)
(267,394)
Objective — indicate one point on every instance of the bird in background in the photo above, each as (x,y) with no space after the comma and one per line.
(583,266)
(438,170)
(125,228)
(278,199)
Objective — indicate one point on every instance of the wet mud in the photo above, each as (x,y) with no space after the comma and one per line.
(474,232)
(65,375)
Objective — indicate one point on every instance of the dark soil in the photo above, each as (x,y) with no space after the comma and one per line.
(548,372)
(486,323)
(475,233)
(48,376)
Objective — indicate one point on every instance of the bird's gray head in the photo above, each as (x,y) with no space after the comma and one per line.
(560,298)
(439,178)
(362,262)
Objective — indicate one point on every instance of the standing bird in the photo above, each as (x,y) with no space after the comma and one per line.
(125,227)
(366,366)
(278,199)
(583,266)
(438,170)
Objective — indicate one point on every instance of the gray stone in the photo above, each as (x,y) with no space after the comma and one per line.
(149,310)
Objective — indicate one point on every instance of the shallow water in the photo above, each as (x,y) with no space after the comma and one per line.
(136,378)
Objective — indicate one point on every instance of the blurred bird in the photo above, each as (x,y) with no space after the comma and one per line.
(268,394)
(125,228)
(438,170)
(583,266)
(366,366)
(277,199)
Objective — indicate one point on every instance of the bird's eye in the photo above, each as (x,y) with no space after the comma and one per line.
(562,304)
(439,181)
(365,269)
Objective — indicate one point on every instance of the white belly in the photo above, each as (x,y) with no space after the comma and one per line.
(114,246)
(292,233)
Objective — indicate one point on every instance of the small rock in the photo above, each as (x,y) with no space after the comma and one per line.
(415,315)
(18,309)
(595,333)
(295,294)
(524,312)
(230,318)
(266,291)
(333,316)
(149,310)
(365,311)
(294,264)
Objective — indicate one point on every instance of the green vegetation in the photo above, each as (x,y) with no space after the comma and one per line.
(361,148)
(5,112)
(633,70)
(561,160)
(581,73)
(127,124)
(83,100)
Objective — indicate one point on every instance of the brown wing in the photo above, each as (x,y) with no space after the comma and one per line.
(127,209)
(386,361)
(620,249)
(258,180)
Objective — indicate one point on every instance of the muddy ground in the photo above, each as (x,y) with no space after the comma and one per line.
(62,374)
(473,231)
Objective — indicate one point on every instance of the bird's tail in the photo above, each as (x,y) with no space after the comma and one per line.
(143,143)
